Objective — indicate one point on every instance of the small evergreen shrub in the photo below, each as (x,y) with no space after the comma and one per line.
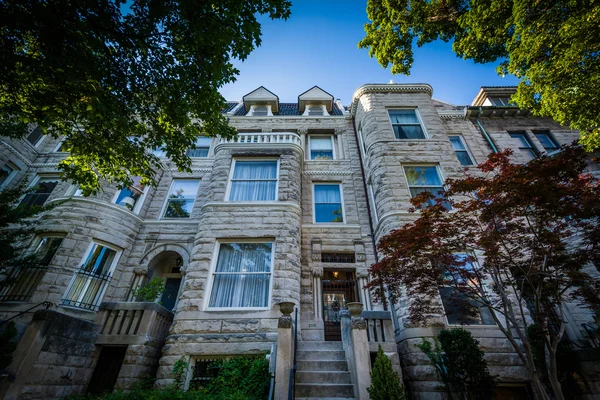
(385,383)
(460,363)
(150,291)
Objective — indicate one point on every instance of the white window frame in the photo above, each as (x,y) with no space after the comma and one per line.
(321,135)
(40,140)
(439,172)
(527,139)
(210,145)
(138,204)
(550,137)
(464,143)
(314,211)
(59,145)
(252,107)
(36,179)
(373,204)
(166,202)
(111,269)
(11,176)
(416,109)
(213,267)
(361,139)
(232,170)
(306,112)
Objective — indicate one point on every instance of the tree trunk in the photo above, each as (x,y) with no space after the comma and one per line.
(553,375)
(538,388)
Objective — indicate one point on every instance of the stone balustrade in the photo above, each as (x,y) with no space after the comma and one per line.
(263,138)
(133,323)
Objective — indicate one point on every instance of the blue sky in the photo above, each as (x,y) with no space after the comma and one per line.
(317,45)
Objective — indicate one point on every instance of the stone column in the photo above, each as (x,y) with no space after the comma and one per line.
(362,359)
(317,293)
(285,348)
(362,277)
(138,281)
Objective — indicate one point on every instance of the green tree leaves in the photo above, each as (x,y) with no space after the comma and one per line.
(119,79)
(552,46)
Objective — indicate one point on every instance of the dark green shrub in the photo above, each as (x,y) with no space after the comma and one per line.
(385,383)
(7,345)
(459,360)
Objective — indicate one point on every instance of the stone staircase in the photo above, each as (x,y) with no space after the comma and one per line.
(322,372)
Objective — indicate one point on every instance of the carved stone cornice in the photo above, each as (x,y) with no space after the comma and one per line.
(193,169)
(328,173)
(451,114)
(317,272)
(388,88)
(362,274)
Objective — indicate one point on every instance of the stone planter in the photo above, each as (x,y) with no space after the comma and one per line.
(355,309)
(286,307)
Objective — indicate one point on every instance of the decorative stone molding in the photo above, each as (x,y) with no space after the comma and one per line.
(317,271)
(193,170)
(176,248)
(285,322)
(329,173)
(359,323)
(362,257)
(388,88)
(138,271)
(316,256)
(451,114)
(362,274)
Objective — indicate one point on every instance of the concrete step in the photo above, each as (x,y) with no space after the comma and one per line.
(323,377)
(326,366)
(322,355)
(320,390)
(307,346)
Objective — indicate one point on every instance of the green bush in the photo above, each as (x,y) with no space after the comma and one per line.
(385,383)
(459,360)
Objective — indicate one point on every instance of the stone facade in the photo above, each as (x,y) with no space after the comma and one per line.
(367,165)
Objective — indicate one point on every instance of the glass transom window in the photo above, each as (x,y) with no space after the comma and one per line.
(242,277)
(406,124)
(254,181)
(328,203)
(201,147)
(460,148)
(321,147)
(181,198)
(425,179)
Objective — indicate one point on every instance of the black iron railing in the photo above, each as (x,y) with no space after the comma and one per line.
(87,290)
(292,384)
(46,304)
(344,258)
(20,283)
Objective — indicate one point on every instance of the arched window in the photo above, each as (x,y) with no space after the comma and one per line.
(315,110)
(260,111)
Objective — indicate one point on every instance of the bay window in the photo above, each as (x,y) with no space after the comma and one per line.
(254,180)
(242,276)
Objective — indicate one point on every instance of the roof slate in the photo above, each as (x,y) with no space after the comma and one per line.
(285,109)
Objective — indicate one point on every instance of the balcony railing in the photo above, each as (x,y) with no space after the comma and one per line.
(379,327)
(133,322)
(20,283)
(261,138)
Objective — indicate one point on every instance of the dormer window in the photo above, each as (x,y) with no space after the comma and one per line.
(260,111)
(502,102)
(318,110)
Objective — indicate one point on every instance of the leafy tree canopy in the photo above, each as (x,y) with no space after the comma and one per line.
(552,46)
(118,78)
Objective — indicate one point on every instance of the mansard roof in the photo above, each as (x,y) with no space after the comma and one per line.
(315,96)
(285,109)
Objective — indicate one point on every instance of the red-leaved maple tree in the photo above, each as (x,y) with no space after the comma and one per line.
(518,244)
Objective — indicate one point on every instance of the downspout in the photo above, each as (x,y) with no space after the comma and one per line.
(485,134)
(364,180)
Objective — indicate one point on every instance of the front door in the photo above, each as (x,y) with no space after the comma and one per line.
(107,369)
(339,289)
(169,296)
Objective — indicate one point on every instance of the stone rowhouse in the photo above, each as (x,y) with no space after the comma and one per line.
(287,211)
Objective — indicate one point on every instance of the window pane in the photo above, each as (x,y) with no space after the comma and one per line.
(184,188)
(547,142)
(521,140)
(43,189)
(315,110)
(427,176)
(254,181)
(457,144)
(202,146)
(179,208)
(260,111)
(408,132)
(47,248)
(464,158)
(5,173)
(321,148)
(403,117)
(99,260)
(528,154)
(328,204)
(242,275)
(129,197)
(327,194)
(35,136)
(438,192)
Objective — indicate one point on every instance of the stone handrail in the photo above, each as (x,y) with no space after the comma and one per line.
(132,322)
(263,137)
(356,348)
(379,326)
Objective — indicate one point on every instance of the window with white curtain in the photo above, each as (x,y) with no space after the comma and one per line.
(406,123)
(242,276)
(321,147)
(328,204)
(201,147)
(254,180)
(92,278)
(425,178)
(182,196)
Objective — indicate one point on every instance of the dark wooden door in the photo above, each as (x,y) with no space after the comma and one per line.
(169,296)
(107,369)
(339,289)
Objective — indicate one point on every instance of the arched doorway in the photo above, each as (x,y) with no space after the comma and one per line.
(167,266)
